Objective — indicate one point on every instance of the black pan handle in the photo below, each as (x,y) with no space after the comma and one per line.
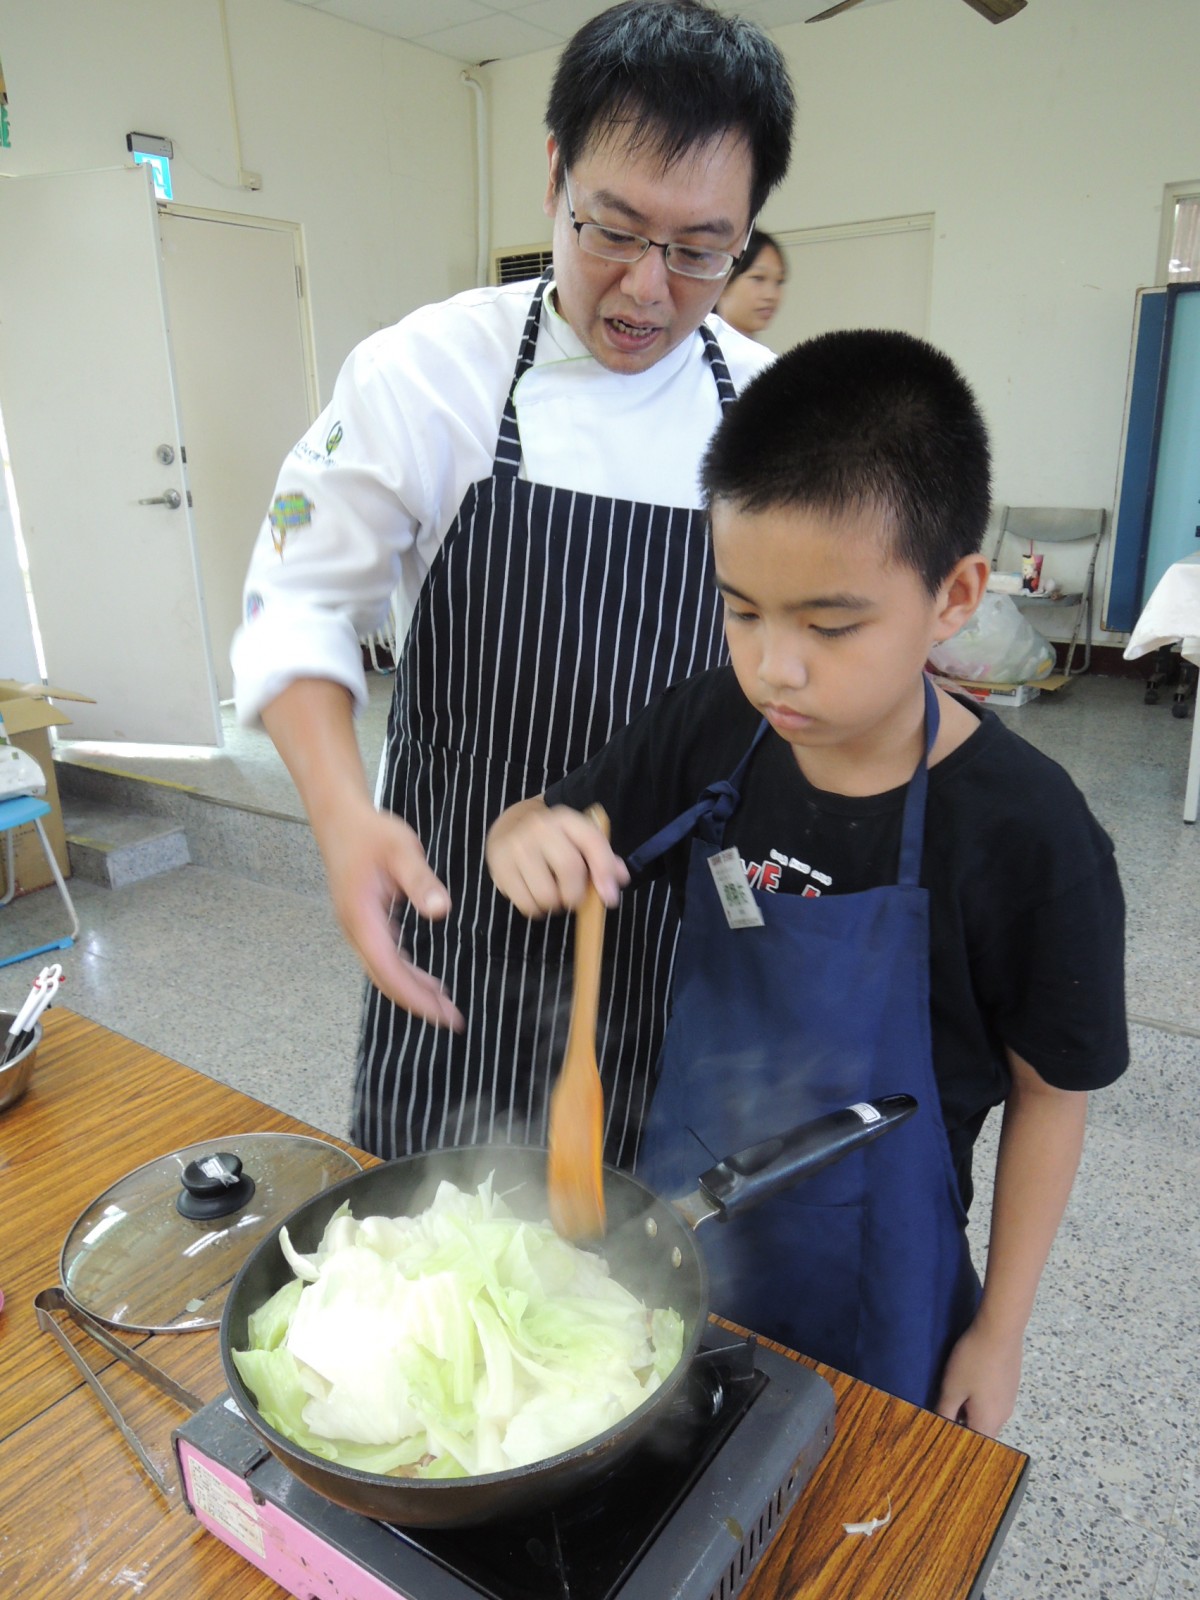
(746,1179)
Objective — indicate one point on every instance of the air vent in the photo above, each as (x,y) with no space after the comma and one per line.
(517,264)
(740,1570)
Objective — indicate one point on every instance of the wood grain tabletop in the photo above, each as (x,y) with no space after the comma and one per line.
(79,1516)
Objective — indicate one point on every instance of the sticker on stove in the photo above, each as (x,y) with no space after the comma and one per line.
(867,1111)
(737,898)
(214,1501)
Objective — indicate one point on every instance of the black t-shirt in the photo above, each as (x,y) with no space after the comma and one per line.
(1026,910)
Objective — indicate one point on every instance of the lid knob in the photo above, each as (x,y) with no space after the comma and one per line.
(214,1186)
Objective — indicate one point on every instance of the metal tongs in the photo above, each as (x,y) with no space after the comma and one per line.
(49,1305)
(45,987)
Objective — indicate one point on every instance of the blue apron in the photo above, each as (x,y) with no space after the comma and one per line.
(866,1265)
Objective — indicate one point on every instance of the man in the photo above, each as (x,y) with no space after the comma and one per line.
(523,461)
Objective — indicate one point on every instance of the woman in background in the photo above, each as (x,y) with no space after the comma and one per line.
(751,297)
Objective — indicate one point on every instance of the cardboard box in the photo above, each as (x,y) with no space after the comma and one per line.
(1003,695)
(1000,695)
(27,714)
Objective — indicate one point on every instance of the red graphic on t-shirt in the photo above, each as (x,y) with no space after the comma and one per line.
(763,875)
(768,875)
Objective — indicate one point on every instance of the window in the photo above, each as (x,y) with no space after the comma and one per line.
(1179,251)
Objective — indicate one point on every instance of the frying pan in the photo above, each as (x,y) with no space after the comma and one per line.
(650,1248)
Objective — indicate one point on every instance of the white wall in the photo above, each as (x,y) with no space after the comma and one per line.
(1042,147)
(18,656)
(365,141)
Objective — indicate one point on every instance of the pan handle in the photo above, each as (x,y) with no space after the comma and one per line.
(753,1175)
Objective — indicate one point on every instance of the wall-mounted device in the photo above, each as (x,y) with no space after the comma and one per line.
(152,150)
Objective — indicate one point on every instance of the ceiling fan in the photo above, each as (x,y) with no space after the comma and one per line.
(993,10)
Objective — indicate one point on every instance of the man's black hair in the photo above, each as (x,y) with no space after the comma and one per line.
(674,74)
(860,419)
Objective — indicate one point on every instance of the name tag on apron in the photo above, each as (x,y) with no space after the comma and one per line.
(737,898)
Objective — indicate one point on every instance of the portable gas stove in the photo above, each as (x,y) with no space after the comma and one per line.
(689,1514)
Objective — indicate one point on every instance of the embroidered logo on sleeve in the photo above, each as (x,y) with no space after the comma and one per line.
(254,605)
(320,456)
(288,511)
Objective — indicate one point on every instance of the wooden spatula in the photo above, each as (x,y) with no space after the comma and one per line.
(574,1172)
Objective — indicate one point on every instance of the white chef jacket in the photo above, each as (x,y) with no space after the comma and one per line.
(364,500)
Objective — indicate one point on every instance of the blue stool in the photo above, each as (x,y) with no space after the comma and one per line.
(15,814)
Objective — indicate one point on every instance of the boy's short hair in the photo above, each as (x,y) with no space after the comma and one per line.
(673,74)
(856,419)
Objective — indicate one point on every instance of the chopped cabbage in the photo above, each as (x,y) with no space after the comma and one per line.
(455,1343)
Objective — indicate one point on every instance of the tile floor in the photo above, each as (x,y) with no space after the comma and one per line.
(253,985)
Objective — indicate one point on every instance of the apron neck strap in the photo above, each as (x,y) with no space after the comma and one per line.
(508,446)
(716,805)
(912,829)
(725,389)
(707,817)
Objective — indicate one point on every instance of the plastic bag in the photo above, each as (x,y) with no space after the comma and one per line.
(998,645)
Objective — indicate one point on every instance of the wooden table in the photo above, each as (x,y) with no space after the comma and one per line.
(78,1517)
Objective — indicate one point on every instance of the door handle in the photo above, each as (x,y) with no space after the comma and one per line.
(172,498)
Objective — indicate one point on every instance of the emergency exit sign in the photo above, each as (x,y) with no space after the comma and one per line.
(152,150)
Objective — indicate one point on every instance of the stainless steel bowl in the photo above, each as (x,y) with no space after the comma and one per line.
(15,1075)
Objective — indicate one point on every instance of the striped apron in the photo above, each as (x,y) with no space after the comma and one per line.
(548,619)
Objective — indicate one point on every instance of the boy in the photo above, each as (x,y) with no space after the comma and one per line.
(934,910)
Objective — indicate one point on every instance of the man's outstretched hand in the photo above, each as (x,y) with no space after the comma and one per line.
(372,861)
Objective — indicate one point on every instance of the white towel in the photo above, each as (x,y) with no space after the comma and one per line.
(1172,613)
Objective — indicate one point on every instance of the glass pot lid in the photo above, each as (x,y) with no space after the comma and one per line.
(158,1251)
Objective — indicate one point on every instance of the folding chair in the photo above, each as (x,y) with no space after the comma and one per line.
(15,813)
(1038,526)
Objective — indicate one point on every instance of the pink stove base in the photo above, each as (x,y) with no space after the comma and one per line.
(283,1549)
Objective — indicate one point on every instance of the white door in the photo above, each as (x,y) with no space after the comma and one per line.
(862,275)
(88,397)
(245,391)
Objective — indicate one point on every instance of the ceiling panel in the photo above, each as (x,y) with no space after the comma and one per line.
(404,19)
(489,30)
(497,37)
(560,17)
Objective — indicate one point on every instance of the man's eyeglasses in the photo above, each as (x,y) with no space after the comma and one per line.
(612,244)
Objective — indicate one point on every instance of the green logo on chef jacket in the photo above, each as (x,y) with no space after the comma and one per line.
(334,439)
(288,511)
